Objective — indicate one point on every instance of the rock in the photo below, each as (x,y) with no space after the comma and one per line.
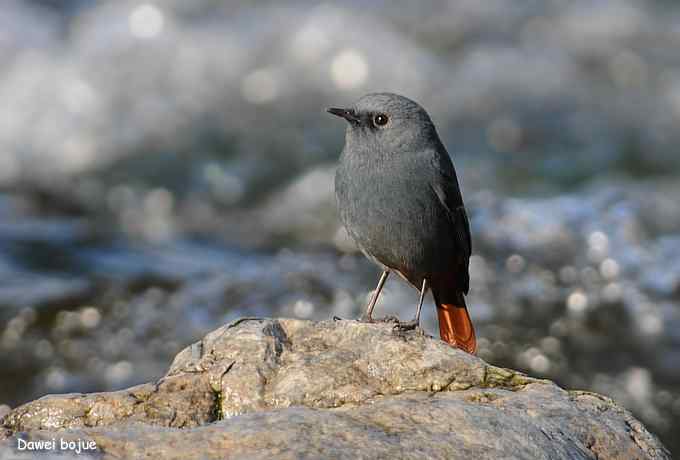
(267,388)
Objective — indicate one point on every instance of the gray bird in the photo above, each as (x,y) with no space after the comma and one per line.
(399,199)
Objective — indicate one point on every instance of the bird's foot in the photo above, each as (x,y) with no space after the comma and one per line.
(366,319)
(386,319)
(413,325)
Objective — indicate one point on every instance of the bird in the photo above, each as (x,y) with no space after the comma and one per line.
(399,199)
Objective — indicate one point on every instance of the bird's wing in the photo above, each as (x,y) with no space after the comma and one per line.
(445,186)
(459,218)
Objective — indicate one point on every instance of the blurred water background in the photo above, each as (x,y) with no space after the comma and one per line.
(167,167)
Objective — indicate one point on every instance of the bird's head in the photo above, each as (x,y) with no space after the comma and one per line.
(386,121)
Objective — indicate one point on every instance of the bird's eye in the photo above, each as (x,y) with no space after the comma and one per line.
(380,119)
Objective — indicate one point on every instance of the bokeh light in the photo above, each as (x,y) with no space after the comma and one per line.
(349,69)
(146,21)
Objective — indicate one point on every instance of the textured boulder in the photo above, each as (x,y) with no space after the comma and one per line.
(260,388)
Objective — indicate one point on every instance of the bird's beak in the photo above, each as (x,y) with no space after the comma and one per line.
(347,114)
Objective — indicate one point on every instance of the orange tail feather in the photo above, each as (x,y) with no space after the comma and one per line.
(455,325)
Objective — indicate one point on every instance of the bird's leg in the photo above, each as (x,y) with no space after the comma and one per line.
(368,316)
(415,322)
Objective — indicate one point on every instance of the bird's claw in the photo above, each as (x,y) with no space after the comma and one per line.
(389,319)
(386,319)
(413,325)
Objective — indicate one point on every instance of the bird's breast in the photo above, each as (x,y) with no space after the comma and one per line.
(391,212)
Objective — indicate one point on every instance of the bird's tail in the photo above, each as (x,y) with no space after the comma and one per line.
(455,325)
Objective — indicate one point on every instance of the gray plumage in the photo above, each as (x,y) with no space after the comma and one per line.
(397,191)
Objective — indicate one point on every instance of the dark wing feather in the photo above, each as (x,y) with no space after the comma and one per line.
(447,190)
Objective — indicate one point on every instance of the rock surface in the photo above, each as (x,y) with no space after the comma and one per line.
(266,388)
